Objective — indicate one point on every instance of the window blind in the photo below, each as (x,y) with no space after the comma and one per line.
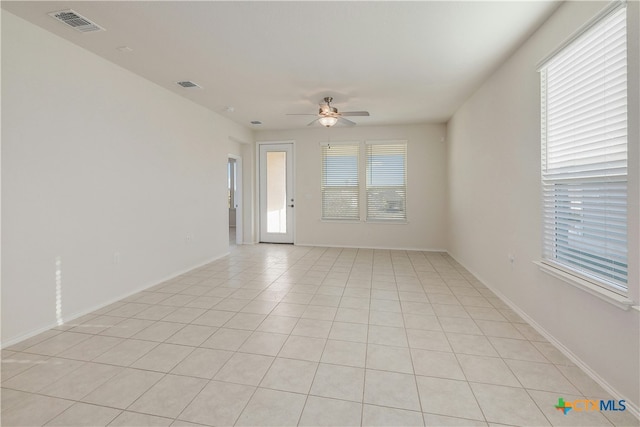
(584,154)
(340,183)
(386,181)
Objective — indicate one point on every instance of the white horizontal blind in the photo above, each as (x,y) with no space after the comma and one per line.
(340,184)
(584,154)
(386,181)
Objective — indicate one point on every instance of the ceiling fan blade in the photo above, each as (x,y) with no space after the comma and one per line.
(300,114)
(345,121)
(355,113)
(313,121)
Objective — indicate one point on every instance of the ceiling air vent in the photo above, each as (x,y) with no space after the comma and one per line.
(76,21)
(189,84)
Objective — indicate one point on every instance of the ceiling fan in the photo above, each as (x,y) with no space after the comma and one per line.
(329,116)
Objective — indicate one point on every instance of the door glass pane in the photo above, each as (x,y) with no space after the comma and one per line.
(276,192)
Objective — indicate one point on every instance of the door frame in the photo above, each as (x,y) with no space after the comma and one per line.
(293,186)
(238,197)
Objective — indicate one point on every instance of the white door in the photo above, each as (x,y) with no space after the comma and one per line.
(276,193)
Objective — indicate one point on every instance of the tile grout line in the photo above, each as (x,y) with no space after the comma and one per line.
(315,373)
(238,276)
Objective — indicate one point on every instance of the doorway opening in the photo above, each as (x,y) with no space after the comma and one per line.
(234,198)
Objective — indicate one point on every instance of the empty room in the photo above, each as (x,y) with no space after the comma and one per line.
(305,213)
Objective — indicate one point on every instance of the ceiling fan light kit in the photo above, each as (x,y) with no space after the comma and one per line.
(329,116)
(328,121)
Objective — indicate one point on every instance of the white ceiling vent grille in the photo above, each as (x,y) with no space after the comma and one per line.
(76,21)
(189,84)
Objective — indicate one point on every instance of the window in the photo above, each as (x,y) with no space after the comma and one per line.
(340,183)
(584,154)
(386,180)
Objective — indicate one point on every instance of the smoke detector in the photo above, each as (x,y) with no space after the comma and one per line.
(76,21)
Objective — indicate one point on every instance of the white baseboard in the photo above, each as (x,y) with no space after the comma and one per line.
(34,332)
(383,248)
(632,407)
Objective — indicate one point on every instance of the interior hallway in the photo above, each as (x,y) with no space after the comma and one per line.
(286,335)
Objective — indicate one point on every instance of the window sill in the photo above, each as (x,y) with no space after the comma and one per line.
(606,295)
(387,221)
(368,221)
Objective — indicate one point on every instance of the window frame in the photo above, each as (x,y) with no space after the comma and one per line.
(614,290)
(323,182)
(369,187)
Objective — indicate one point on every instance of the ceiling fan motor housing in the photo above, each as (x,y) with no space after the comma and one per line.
(327,110)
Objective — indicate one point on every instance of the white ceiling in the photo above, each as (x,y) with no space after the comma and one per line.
(404,62)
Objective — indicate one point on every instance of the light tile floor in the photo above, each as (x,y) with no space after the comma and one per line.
(284,335)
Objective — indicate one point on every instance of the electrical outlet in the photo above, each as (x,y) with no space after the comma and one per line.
(512,258)
(188,238)
(116,258)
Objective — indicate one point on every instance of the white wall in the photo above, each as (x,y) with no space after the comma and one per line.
(426,190)
(495,206)
(96,160)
